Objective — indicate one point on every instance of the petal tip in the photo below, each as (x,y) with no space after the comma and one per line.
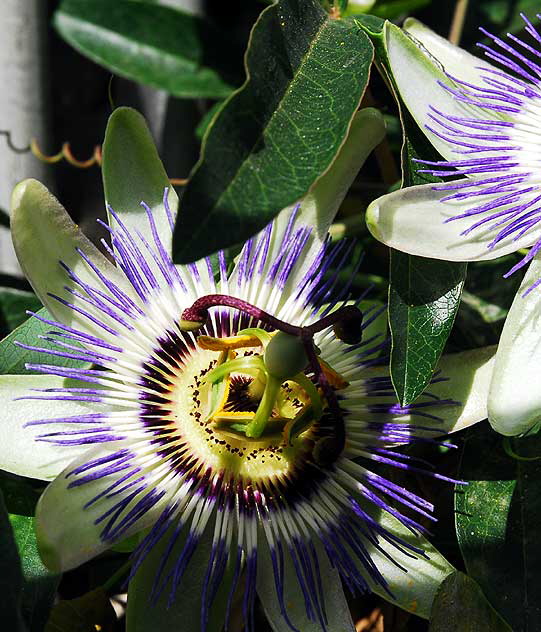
(49,554)
(511,423)
(372,220)
(21,189)
(508,415)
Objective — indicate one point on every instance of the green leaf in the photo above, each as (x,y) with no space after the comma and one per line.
(156,45)
(13,358)
(280,131)
(11,578)
(498,521)
(372,25)
(459,598)
(39,584)
(424,296)
(207,119)
(13,306)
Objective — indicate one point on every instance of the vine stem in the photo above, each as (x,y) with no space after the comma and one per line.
(457,25)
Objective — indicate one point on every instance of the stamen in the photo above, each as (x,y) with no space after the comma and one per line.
(334,378)
(222,344)
(347,325)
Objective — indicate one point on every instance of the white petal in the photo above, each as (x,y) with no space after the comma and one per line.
(66,530)
(20,453)
(456,61)
(133,173)
(413,220)
(416,74)
(468,376)
(43,235)
(413,589)
(336,606)
(514,404)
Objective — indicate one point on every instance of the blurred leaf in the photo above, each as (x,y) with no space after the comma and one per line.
(459,599)
(280,132)
(13,358)
(358,6)
(11,578)
(13,306)
(4,218)
(20,496)
(39,585)
(489,312)
(501,16)
(156,45)
(498,521)
(88,613)
(396,8)
(486,300)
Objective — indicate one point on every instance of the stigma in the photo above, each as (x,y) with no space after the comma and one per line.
(260,387)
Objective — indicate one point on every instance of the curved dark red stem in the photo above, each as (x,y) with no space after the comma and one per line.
(198,313)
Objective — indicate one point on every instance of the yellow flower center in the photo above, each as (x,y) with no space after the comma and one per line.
(219,392)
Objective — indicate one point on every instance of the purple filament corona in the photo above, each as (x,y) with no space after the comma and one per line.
(496,143)
(143,472)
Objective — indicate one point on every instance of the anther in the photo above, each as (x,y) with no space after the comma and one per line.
(233,342)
